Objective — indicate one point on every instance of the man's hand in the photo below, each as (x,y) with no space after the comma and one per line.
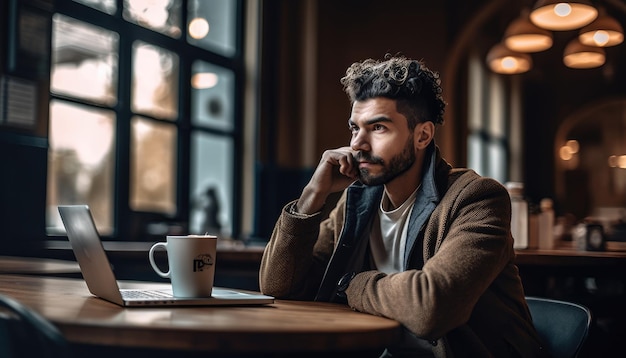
(335,172)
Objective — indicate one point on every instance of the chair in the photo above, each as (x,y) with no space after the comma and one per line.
(563,326)
(24,333)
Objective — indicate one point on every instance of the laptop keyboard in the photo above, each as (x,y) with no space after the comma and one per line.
(142,294)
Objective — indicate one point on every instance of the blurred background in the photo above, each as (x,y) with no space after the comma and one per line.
(199,116)
(208,116)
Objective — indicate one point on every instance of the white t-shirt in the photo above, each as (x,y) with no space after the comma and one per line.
(388,236)
(388,243)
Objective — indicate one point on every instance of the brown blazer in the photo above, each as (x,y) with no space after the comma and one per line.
(467,298)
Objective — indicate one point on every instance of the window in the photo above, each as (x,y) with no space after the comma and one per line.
(144,123)
(494,124)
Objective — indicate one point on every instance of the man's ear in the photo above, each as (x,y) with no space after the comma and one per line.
(424,134)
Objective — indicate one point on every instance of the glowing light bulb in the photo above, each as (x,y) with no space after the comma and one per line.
(509,63)
(562,9)
(198,28)
(204,80)
(601,37)
(573,145)
(566,153)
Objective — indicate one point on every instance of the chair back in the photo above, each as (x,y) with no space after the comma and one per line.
(24,333)
(563,326)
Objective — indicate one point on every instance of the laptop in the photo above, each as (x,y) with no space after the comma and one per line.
(100,279)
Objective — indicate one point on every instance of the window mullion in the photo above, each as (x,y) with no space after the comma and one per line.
(122,179)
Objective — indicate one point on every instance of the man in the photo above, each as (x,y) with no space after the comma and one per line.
(411,238)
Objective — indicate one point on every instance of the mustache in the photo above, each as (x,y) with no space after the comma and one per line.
(367,157)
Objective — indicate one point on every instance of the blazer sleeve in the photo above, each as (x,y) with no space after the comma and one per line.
(296,256)
(467,244)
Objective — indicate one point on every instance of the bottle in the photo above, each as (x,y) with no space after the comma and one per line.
(519,215)
(546,224)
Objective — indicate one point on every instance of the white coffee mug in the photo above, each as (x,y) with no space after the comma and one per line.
(191,261)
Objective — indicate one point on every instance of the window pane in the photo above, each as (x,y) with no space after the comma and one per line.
(212,25)
(81,163)
(155,81)
(497,161)
(475,157)
(84,61)
(158,15)
(107,6)
(212,96)
(497,107)
(153,166)
(211,184)
(476,85)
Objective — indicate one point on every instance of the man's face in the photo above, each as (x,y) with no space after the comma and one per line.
(382,140)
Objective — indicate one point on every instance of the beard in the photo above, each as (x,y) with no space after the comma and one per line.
(396,166)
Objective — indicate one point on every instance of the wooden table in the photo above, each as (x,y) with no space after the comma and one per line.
(565,254)
(37,266)
(283,328)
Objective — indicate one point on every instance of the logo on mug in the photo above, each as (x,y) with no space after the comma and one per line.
(202,260)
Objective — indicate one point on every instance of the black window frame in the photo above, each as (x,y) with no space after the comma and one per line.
(130,225)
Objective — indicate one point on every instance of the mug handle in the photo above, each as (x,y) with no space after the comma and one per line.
(153,263)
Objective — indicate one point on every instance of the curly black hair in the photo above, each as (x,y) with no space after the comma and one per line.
(416,89)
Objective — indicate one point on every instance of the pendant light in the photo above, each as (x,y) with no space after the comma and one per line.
(559,15)
(604,31)
(524,36)
(503,60)
(579,56)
